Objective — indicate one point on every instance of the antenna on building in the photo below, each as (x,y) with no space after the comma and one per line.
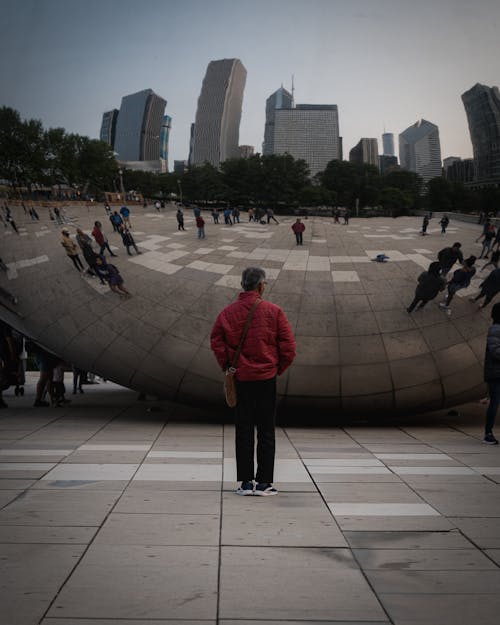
(293,94)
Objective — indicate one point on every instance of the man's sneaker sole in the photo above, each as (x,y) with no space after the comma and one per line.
(265,493)
(493,442)
(244,493)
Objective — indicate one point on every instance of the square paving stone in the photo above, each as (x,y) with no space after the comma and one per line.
(434,582)
(298,520)
(171,502)
(51,508)
(299,584)
(93,621)
(474,500)
(485,533)
(33,534)
(452,609)
(141,582)
(159,529)
(179,472)
(423,559)
(30,577)
(407,540)
(98,472)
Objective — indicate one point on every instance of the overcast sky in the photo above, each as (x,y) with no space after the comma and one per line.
(385,63)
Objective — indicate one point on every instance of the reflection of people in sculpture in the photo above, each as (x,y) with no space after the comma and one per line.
(71,249)
(110,273)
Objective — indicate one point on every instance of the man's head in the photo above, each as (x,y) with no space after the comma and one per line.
(65,232)
(252,278)
(457,245)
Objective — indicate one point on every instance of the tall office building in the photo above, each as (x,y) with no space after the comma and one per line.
(280,99)
(388,144)
(217,122)
(482,105)
(166,125)
(309,132)
(365,151)
(246,151)
(139,126)
(108,127)
(420,150)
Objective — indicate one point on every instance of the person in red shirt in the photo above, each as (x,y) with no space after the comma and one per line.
(267,351)
(200,224)
(101,239)
(298,228)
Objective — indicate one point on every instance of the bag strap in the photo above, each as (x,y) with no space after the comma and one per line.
(245,330)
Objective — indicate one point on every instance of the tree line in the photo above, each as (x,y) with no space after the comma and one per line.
(32,157)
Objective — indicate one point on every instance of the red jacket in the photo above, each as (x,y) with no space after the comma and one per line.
(98,236)
(269,346)
(298,227)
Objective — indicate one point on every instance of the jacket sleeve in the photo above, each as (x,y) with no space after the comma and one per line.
(286,343)
(218,344)
(493,343)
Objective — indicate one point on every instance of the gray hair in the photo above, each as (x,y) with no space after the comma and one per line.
(252,277)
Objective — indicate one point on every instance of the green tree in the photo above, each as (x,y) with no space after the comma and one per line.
(351,182)
(440,194)
(395,201)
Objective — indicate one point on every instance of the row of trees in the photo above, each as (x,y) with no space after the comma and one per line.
(31,156)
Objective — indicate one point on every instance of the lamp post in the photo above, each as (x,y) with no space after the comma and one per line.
(122,188)
(180,189)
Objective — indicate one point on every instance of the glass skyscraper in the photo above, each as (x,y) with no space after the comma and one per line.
(482,105)
(139,126)
(217,122)
(108,127)
(420,150)
(280,99)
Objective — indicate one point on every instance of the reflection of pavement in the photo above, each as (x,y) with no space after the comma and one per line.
(113,513)
(358,349)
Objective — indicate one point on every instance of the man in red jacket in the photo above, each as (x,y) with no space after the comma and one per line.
(267,351)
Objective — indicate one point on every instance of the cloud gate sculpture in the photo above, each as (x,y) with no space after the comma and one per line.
(358,350)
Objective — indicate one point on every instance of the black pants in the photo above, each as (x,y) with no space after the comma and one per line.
(298,237)
(77,262)
(256,408)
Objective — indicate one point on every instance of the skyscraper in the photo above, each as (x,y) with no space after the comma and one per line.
(280,99)
(139,126)
(365,151)
(108,127)
(164,137)
(309,132)
(388,144)
(420,150)
(482,105)
(217,122)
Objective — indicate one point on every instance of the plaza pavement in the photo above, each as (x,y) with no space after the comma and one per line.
(118,511)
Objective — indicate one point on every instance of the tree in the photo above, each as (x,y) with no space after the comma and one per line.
(351,182)
(395,201)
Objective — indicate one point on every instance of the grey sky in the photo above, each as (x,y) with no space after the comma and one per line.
(385,63)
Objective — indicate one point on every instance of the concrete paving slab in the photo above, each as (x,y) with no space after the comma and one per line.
(159,529)
(162,582)
(407,540)
(434,582)
(26,534)
(484,532)
(59,508)
(147,501)
(97,472)
(31,576)
(299,584)
(445,609)
(293,520)
(369,493)
(85,621)
(423,559)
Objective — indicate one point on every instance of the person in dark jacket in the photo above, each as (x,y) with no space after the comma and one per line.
(430,283)
(448,256)
(461,280)
(425,223)
(490,286)
(268,350)
(444,224)
(128,240)
(492,374)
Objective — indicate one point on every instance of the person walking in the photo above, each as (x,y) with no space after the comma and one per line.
(492,374)
(448,256)
(236,215)
(215,215)
(298,229)
(125,213)
(425,223)
(112,276)
(200,224)
(180,219)
(250,214)
(488,237)
(490,286)
(270,215)
(461,280)
(346,217)
(128,241)
(268,350)
(227,216)
(71,249)
(101,239)
(117,221)
(444,224)
(85,244)
(494,259)
(430,283)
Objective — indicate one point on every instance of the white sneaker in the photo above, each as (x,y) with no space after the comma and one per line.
(443,305)
(246,488)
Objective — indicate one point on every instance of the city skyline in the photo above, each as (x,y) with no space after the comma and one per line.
(383,63)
